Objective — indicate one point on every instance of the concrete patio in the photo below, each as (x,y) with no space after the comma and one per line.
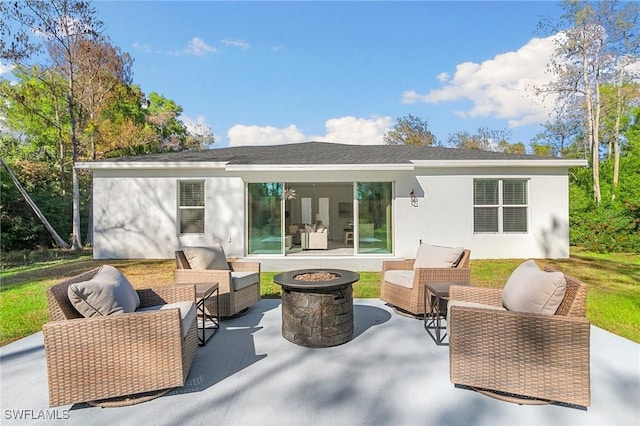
(391,373)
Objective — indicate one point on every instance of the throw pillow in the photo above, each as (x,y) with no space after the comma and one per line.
(430,256)
(530,289)
(107,293)
(206,257)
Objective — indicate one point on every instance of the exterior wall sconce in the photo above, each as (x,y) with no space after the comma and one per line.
(414,198)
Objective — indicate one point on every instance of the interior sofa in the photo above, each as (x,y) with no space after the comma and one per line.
(314,237)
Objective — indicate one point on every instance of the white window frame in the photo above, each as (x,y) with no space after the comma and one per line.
(501,206)
(182,208)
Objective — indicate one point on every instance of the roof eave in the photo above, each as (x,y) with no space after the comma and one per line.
(317,167)
(500,163)
(149,165)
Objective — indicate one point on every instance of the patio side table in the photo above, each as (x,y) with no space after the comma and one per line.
(203,294)
(437,294)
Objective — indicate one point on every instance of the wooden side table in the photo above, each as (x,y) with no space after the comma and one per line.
(437,294)
(203,293)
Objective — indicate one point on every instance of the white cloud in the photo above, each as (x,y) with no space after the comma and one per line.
(357,131)
(241,134)
(500,87)
(5,68)
(142,47)
(196,47)
(348,130)
(236,43)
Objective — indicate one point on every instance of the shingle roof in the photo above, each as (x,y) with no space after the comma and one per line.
(324,153)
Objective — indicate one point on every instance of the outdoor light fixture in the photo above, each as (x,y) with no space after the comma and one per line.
(414,198)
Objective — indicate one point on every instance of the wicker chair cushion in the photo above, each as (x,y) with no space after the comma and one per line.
(206,257)
(187,313)
(242,279)
(430,256)
(530,289)
(401,277)
(107,293)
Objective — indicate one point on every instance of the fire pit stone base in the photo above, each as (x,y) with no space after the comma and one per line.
(317,306)
(318,319)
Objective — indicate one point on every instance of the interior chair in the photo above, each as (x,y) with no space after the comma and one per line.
(238,282)
(402,282)
(526,343)
(105,340)
(294,231)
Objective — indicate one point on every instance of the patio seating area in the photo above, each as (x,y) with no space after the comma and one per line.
(391,372)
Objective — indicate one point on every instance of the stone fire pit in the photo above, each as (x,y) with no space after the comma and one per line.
(317,306)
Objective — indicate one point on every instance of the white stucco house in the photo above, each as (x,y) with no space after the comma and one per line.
(372,202)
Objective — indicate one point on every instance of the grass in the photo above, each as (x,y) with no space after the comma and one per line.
(613,300)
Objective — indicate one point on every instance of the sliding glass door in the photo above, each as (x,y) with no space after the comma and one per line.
(375,200)
(265,221)
(371,222)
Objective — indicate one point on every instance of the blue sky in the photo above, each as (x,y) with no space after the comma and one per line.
(282,72)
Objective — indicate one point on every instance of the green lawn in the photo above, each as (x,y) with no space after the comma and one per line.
(613,300)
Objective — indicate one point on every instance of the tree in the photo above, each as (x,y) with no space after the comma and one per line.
(597,42)
(34,107)
(102,68)
(61,25)
(484,139)
(560,136)
(410,130)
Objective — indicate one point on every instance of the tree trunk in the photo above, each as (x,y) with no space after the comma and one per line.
(616,139)
(76,245)
(56,237)
(592,130)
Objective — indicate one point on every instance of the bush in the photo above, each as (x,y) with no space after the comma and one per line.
(21,228)
(607,228)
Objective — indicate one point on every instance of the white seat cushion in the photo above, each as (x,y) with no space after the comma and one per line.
(212,257)
(241,280)
(429,256)
(530,289)
(107,293)
(187,313)
(401,277)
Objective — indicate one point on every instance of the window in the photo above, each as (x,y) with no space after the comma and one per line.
(500,205)
(375,201)
(265,218)
(191,206)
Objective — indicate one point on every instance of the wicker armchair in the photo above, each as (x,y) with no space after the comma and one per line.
(232,301)
(521,357)
(411,300)
(91,359)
